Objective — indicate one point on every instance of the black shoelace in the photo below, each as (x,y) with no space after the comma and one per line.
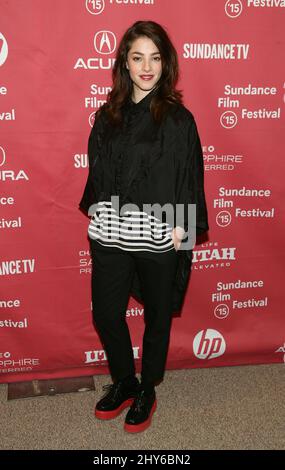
(139,401)
(112,388)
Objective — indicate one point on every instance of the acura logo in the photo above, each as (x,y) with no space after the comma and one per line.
(105,42)
(2,156)
(3,49)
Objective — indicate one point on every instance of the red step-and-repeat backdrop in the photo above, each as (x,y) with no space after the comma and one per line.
(55,71)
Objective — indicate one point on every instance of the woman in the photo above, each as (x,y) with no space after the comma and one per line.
(144,150)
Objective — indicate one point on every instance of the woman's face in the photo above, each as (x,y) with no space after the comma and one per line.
(144,65)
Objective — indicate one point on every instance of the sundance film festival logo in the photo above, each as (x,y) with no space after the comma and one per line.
(95,7)
(3,49)
(91,119)
(233,8)
(209,344)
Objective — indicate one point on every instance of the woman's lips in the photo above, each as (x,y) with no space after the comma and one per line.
(146,77)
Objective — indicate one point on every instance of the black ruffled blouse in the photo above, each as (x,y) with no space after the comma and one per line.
(144,162)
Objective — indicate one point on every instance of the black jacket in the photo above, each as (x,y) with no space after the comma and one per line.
(161,164)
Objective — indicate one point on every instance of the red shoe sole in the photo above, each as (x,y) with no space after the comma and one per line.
(114,413)
(142,426)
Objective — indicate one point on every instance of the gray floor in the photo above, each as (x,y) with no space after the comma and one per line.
(216,408)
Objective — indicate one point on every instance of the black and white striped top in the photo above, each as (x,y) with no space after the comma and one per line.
(132,231)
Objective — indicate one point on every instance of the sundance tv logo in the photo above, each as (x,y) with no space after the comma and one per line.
(3,49)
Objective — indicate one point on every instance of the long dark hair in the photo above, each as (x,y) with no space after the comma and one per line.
(122,83)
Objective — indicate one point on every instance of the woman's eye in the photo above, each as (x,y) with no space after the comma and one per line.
(138,58)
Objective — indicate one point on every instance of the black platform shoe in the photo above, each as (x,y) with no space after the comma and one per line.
(140,413)
(119,396)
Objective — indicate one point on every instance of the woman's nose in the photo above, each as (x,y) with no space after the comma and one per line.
(146,66)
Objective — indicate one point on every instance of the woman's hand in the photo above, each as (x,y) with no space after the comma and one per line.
(177,236)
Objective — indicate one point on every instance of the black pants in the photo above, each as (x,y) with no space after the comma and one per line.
(112,275)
